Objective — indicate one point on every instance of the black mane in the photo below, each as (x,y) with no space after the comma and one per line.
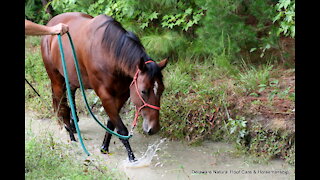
(126,47)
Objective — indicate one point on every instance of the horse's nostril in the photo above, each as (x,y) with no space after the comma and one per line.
(150,131)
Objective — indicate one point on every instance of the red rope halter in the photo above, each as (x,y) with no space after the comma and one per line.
(134,81)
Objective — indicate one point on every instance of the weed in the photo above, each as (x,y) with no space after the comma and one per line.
(237,129)
(250,77)
(223,60)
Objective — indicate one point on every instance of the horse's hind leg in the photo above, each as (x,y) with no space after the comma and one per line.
(59,99)
(107,137)
(60,103)
(73,127)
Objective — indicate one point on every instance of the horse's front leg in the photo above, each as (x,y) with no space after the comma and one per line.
(124,131)
(112,107)
(121,129)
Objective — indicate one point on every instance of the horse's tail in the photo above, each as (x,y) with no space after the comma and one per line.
(45,48)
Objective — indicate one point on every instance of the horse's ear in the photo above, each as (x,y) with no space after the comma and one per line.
(142,66)
(162,64)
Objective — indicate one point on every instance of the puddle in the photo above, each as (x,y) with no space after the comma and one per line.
(146,158)
(159,158)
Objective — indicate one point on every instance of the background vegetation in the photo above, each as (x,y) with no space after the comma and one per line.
(193,28)
(230,60)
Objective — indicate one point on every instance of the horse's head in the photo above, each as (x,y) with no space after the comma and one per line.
(145,92)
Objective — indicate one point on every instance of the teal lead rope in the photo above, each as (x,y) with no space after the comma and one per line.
(73,111)
(85,98)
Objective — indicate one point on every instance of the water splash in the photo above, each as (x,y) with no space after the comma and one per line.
(146,158)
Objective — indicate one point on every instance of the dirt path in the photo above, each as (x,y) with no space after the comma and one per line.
(174,160)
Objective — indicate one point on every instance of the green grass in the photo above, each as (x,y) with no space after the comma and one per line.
(195,89)
(46,158)
(250,77)
(190,99)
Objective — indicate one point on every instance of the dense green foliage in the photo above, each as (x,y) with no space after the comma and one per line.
(286,16)
(195,28)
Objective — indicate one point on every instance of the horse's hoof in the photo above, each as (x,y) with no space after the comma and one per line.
(72,138)
(132,160)
(104,151)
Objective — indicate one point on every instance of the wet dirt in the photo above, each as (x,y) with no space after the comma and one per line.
(171,160)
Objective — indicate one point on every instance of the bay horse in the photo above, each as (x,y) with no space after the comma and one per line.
(111,60)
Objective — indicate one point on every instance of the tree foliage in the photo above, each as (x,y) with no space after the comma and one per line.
(286,17)
(201,28)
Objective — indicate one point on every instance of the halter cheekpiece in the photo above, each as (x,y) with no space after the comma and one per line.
(134,82)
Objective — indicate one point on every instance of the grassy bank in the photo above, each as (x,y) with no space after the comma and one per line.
(47,158)
(250,105)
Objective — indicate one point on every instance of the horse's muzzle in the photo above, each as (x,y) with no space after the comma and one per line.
(150,130)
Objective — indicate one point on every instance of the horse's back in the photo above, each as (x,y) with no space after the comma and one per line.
(77,23)
(86,36)
(68,17)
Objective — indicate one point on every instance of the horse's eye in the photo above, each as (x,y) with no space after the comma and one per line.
(144,92)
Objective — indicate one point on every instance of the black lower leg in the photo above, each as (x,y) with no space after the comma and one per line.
(64,114)
(73,127)
(126,144)
(106,141)
(72,138)
(128,148)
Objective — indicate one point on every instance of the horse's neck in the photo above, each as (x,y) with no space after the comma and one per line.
(129,71)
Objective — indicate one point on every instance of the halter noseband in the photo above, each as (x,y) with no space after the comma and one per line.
(134,81)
